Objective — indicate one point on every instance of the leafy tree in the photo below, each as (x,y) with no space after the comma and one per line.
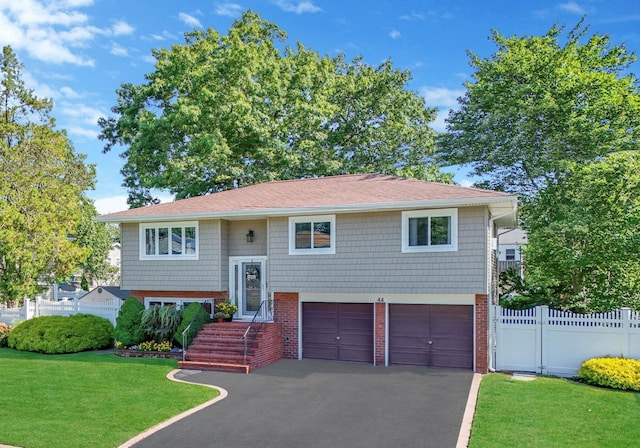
(224,111)
(584,244)
(537,106)
(42,181)
(97,238)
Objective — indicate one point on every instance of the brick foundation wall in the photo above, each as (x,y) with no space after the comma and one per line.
(482,334)
(379,333)
(285,312)
(270,347)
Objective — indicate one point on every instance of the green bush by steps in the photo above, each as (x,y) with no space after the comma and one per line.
(128,329)
(62,334)
(616,373)
(197,316)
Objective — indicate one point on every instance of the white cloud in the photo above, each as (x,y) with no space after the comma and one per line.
(573,7)
(69,93)
(82,113)
(121,28)
(394,34)
(50,31)
(228,9)
(117,203)
(111,204)
(413,16)
(117,50)
(83,132)
(297,7)
(439,124)
(189,20)
(441,96)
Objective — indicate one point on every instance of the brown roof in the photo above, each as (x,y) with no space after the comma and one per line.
(324,194)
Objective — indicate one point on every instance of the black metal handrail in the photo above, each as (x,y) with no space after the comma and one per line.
(261,316)
(185,331)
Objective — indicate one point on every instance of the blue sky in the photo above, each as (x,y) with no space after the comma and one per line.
(78,52)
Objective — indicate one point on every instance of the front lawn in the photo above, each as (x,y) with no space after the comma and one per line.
(87,399)
(552,412)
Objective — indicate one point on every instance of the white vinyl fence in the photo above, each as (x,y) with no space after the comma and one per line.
(40,307)
(552,342)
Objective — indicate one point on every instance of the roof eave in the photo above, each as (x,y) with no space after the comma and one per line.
(497,205)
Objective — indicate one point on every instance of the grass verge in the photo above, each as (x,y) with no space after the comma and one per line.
(87,399)
(553,412)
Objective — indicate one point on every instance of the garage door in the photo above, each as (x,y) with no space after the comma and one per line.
(337,331)
(431,335)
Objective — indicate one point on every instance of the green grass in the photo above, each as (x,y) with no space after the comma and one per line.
(552,412)
(87,399)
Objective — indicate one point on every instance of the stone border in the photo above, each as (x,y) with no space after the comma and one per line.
(125,353)
(469,411)
(172,376)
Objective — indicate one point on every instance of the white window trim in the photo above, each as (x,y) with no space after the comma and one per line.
(177,301)
(312,219)
(450,212)
(156,225)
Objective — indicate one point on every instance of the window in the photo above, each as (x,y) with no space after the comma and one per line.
(169,241)
(510,254)
(430,230)
(312,235)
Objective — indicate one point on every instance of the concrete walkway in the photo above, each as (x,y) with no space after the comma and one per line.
(317,404)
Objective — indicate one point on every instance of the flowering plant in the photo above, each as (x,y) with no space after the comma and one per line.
(227,308)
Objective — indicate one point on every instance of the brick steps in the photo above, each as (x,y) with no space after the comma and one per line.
(220,347)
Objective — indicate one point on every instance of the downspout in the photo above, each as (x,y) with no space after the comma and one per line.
(491,306)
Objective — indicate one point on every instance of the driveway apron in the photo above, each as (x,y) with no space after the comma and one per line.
(317,404)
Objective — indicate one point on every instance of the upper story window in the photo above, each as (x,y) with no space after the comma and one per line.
(430,230)
(169,241)
(510,254)
(312,235)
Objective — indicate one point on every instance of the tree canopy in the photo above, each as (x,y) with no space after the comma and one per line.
(42,181)
(224,111)
(584,244)
(537,106)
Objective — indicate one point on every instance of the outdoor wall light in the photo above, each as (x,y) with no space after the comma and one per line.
(250,236)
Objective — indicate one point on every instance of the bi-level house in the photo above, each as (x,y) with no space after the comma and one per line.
(367,268)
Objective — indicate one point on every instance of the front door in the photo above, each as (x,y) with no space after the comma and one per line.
(247,284)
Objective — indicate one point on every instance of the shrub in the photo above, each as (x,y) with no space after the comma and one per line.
(194,315)
(62,334)
(128,329)
(160,322)
(616,373)
(4,334)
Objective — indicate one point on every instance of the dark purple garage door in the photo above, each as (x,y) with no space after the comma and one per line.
(337,331)
(431,335)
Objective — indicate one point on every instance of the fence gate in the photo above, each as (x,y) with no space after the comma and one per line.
(553,342)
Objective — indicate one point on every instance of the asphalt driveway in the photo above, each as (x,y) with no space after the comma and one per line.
(317,404)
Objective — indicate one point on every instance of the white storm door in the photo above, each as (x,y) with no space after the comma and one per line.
(247,284)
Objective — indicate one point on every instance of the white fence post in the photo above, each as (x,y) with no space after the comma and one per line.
(542,351)
(626,326)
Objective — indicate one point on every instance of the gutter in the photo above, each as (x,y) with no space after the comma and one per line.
(490,305)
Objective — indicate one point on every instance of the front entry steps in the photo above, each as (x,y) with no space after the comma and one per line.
(220,347)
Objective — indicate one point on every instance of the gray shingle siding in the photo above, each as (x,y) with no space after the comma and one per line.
(187,275)
(369,259)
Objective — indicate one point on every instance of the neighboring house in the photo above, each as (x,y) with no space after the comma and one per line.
(68,291)
(510,249)
(114,255)
(106,293)
(368,268)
